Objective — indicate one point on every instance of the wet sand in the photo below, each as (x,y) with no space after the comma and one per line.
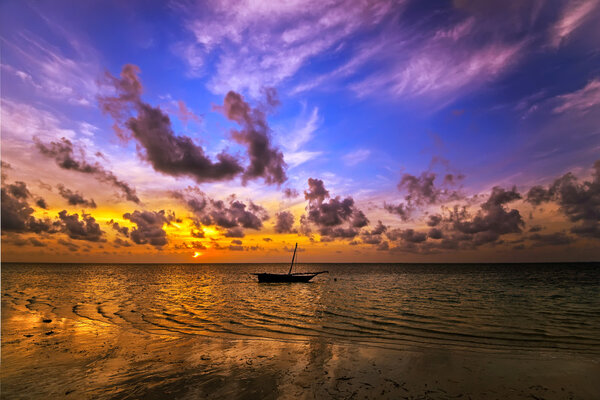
(189,332)
(91,360)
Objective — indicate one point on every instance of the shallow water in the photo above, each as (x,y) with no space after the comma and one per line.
(482,308)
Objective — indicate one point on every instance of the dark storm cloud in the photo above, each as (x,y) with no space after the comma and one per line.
(16,212)
(379,228)
(328,216)
(434,220)
(266,161)
(236,213)
(85,229)
(331,213)
(69,245)
(151,127)
(193,198)
(383,246)
(27,242)
(197,233)
(403,210)
(338,232)
(316,191)
(63,154)
(290,193)
(435,233)
(236,232)
(551,239)
(36,242)
(197,245)
(121,243)
(493,219)
(179,155)
(407,235)
(232,214)
(374,236)
(458,229)
(359,219)
(123,230)
(149,228)
(75,198)
(285,222)
(18,190)
(579,201)
(176,155)
(41,203)
(422,191)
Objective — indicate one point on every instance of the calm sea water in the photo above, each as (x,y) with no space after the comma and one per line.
(542,307)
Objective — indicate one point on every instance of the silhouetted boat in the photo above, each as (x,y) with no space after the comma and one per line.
(289,277)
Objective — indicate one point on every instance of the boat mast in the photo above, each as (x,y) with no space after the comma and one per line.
(294,256)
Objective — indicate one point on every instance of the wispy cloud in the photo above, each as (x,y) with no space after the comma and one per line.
(303,131)
(581,100)
(356,157)
(300,134)
(443,68)
(49,72)
(573,16)
(263,43)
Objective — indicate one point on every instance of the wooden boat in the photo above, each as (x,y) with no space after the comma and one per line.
(289,277)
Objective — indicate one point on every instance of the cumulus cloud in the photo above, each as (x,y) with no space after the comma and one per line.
(579,201)
(149,227)
(63,154)
(75,198)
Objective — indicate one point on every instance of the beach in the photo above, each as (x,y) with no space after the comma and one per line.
(96,342)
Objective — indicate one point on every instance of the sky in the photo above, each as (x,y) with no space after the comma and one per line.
(364,131)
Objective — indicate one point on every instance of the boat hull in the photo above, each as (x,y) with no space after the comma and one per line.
(274,278)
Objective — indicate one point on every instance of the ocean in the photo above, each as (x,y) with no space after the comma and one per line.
(480,311)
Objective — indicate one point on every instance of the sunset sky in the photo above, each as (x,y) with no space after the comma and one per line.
(366,131)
